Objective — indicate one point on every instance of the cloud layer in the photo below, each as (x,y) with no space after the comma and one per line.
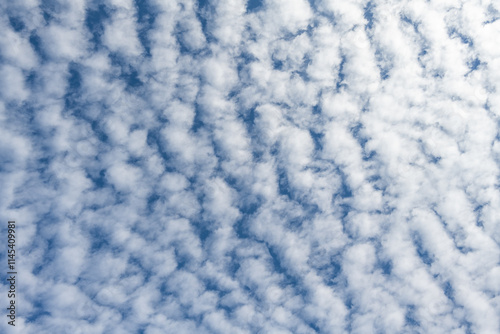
(261,166)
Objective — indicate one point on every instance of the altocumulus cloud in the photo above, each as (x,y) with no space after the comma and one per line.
(261,166)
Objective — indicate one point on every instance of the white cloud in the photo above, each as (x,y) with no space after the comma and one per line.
(120,33)
(61,42)
(12,84)
(302,167)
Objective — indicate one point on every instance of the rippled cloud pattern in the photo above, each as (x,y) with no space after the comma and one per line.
(260,166)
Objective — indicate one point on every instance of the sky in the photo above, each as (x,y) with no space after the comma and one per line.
(261,166)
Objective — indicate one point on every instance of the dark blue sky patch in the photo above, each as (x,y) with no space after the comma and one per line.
(16,23)
(290,36)
(183,39)
(406,19)
(284,184)
(462,249)
(75,78)
(423,52)
(205,13)
(221,156)
(42,166)
(386,266)
(434,159)
(257,152)
(369,155)
(32,80)
(250,34)
(146,16)
(151,202)
(355,130)
(73,93)
(431,158)
(376,182)
(328,266)
(491,20)
(94,21)
(473,65)
(154,140)
(332,271)
(386,210)
(295,224)
(248,203)
(384,73)
(234,264)
(448,290)
(438,74)
(164,290)
(99,239)
(302,71)
(341,75)
(211,284)
(36,44)
(203,228)
(343,211)
(478,210)
(348,326)
(316,109)
(280,268)
(181,258)
(135,161)
(248,118)
(254,5)
(457,237)
(357,134)
(243,60)
(411,317)
(454,33)
(318,139)
(422,252)
(39,310)
(314,326)
(345,190)
(99,132)
(98,178)
(128,73)
(183,47)
(198,122)
(368,15)
(50,246)
(468,327)
(493,14)
(203,3)
(7,159)
(50,9)
(136,263)
(277,64)
(384,63)
(242,226)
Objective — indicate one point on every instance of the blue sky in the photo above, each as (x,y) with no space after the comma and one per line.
(261,166)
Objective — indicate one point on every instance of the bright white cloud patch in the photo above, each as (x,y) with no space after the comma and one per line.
(252,166)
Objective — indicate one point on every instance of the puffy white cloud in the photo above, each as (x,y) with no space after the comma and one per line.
(120,33)
(62,42)
(12,84)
